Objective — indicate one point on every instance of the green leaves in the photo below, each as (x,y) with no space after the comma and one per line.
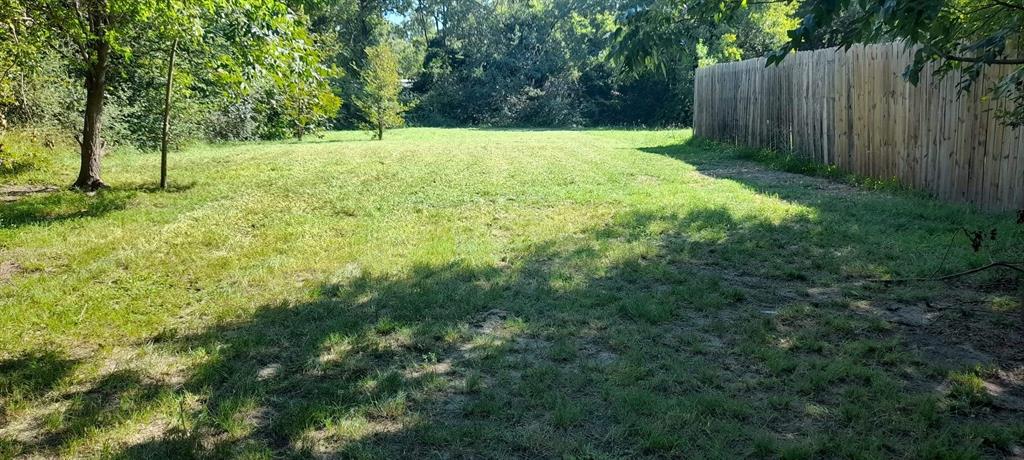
(381,86)
(704,31)
(963,36)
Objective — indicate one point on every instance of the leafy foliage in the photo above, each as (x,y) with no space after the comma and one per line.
(268,69)
(256,54)
(964,37)
(669,38)
(548,63)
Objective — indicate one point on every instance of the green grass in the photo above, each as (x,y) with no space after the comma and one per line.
(480,293)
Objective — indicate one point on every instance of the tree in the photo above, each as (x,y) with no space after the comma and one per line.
(104,38)
(965,36)
(307,101)
(382,86)
(88,33)
(165,135)
(17,52)
(669,39)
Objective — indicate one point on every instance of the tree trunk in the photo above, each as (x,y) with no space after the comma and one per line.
(91,142)
(165,138)
(380,131)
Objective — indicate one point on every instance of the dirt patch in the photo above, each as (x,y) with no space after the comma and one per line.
(910,315)
(269,372)
(1003,396)
(962,331)
(13,193)
(773,294)
(759,175)
(491,322)
(8,269)
(973,323)
(959,328)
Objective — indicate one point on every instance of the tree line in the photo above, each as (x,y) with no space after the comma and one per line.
(153,74)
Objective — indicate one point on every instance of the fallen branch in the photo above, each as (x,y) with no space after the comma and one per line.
(1011,266)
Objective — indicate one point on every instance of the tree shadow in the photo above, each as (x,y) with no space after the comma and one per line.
(63,206)
(314,141)
(825,193)
(428,361)
(655,334)
(915,228)
(379,362)
(149,187)
(31,375)
(75,414)
(102,406)
(895,234)
(18,168)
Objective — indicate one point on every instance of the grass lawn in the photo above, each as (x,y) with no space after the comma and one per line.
(479,293)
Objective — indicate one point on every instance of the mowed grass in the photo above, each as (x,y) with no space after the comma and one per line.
(478,293)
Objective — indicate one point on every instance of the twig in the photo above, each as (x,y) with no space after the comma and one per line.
(949,248)
(1011,266)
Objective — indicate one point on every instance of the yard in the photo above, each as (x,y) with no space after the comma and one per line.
(485,293)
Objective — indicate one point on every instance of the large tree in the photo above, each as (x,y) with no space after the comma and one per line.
(349,26)
(90,34)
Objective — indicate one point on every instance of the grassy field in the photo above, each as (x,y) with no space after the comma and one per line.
(477,293)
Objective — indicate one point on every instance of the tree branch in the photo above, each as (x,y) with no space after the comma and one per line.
(1008,4)
(977,60)
(1011,266)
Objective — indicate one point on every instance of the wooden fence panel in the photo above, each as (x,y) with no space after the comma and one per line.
(854,110)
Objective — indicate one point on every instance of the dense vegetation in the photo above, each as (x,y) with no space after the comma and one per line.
(269,69)
(237,76)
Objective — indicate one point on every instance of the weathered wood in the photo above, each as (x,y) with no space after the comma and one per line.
(853,109)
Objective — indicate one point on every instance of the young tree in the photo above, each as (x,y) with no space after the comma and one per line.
(382,85)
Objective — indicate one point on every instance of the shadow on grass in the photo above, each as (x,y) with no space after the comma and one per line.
(18,168)
(32,375)
(875,216)
(150,187)
(63,205)
(431,360)
(806,181)
(643,337)
(327,141)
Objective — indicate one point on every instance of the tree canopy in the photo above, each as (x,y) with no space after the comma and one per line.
(962,37)
(113,44)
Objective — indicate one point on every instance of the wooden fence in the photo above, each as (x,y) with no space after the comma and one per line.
(854,110)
